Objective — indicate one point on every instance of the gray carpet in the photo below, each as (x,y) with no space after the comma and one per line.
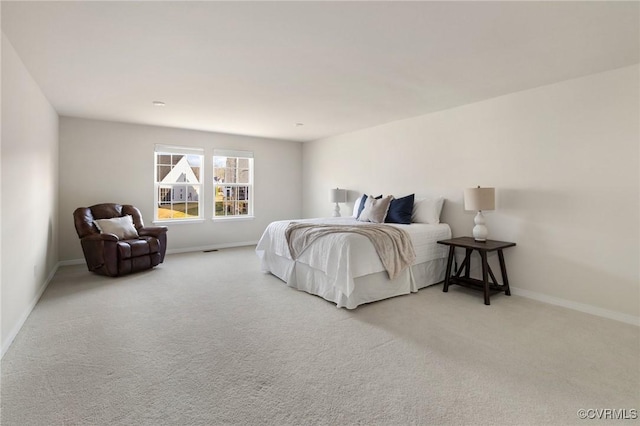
(207,339)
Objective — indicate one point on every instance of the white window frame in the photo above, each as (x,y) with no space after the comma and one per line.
(178,150)
(240,155)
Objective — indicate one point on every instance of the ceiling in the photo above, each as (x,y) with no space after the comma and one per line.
(258,68)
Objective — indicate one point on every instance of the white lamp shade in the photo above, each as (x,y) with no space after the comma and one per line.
(480,199)
(338,195)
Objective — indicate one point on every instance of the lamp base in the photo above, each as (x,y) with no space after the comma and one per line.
(336,211)
(480,231)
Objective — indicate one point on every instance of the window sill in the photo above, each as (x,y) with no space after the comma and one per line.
(177,222)
(232,218)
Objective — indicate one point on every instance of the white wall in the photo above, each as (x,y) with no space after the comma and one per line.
(29,192)
(564,159)
(104,161)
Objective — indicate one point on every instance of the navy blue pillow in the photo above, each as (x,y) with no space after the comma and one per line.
(400,210)
(362,201)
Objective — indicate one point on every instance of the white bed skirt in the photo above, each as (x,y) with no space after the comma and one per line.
(368,288)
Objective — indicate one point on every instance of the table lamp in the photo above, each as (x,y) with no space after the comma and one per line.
(337,196)
(480,199)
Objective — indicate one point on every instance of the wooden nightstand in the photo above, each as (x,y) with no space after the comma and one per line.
(469,244)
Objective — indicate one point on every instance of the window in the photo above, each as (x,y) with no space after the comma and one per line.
(178,183)
(232,183)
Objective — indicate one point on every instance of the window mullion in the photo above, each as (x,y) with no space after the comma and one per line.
(178,183)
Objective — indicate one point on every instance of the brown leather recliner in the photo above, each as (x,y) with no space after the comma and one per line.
(106,254)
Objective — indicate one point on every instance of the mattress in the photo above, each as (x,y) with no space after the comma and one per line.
(336,263)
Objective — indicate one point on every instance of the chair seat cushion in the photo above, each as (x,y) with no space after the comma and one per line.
(142,246)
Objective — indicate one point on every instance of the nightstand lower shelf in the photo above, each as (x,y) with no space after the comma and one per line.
(476,284)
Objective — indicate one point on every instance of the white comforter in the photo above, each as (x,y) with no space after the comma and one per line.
(343,256)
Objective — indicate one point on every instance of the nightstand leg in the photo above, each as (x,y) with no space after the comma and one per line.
(503,269)
(467,262)
(448,273)
(485,276)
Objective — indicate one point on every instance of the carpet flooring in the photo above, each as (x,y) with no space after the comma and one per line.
(206,339)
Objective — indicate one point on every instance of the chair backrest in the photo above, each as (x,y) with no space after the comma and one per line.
(83,217)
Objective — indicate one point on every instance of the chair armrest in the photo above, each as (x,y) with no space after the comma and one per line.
(158,232)
(152,231)
(101,237)
(100,252)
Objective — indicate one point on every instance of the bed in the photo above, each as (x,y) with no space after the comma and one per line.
(345,269)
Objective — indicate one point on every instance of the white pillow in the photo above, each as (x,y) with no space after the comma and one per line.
(356,207)
(121,227)
(427,211)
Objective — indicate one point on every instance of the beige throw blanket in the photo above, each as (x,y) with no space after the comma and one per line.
(393,245)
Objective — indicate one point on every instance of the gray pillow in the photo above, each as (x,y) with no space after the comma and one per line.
(375,210)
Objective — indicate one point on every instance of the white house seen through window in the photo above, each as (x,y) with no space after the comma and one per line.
(178,183)
(232,183)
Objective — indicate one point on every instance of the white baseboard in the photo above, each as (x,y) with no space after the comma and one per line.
(212,247)
(71,262)
(176,251)
(593,310)
(577,306)
(25,314)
